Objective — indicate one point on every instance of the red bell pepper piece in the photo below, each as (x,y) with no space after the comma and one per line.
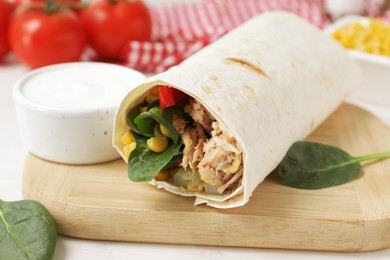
(170,96)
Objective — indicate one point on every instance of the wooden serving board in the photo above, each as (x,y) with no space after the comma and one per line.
(99,202)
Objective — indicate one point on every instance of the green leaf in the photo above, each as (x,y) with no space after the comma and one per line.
(174,161)
(27,231)
(144,164)
(145,124)
(133,114)
(315,166)
(309,165)
(146,121)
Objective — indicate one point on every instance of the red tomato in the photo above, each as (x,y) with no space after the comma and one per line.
(170,96)
(5,11)
(39,38)
(111,24)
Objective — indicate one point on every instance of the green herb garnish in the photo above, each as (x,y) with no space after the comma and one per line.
(27,231)
(309,165)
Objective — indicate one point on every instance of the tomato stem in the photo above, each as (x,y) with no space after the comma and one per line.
(51,6)
(75,5)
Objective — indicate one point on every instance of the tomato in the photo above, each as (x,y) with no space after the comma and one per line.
(170,96)
(5,11)
(111,24)
(41,38)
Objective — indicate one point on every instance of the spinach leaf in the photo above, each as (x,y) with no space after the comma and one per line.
(145,124)
(133,114)
(144,164)
(174,162)
(27,231)
(309,165)
(146,121)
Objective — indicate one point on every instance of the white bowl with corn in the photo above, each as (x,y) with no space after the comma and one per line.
(368,41)
(66,111)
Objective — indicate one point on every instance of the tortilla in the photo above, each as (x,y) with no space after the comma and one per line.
(268,83)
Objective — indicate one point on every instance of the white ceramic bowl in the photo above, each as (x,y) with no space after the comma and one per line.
(376,68)
(66,111)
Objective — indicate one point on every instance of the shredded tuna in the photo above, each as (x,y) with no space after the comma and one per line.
(193,139)
(232,181)
(217,159)
(179,124)
(198,150)
(222,159)
(199,114)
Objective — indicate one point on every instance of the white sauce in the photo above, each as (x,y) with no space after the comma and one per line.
(80,86)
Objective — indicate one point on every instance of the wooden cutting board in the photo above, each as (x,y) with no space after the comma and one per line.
(99,202)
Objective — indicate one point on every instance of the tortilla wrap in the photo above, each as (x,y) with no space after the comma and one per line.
(268,83)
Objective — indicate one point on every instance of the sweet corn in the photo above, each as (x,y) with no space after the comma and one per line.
(372,38)
(157,144)
(127,138)
(162,176)
(127,149)
(191,186)
(164,130)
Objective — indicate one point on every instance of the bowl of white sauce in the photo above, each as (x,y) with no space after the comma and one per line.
(66,111)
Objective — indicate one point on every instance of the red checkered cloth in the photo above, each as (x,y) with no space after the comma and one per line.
(180,30)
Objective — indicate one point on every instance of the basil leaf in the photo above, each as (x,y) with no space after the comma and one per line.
(309,165)
(146,121)
(27,231)
(144,164)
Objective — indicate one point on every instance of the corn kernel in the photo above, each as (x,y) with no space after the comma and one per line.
(198,187)
(127,138)
(346,42)
(162,176)
(157,144)
(336,34)
(127,149)
(164,130)
(356,26)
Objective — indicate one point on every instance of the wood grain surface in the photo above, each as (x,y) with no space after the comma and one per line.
(99,202)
